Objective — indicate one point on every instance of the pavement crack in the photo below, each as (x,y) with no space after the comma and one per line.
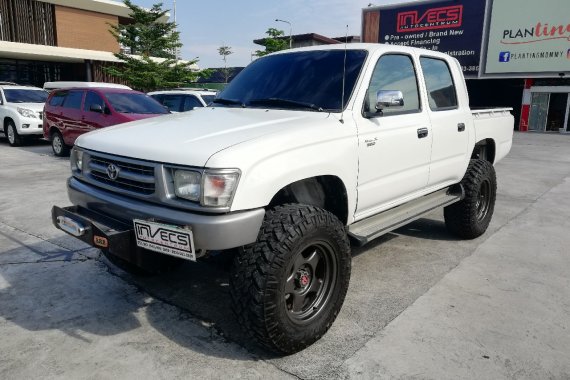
(72,261)
(44,240)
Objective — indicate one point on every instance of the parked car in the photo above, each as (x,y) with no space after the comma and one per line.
(50,86)
(21,110)
(69,113)
(303,150)
(184,100)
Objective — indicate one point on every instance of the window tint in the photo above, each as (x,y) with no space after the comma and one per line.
(191,102)
(25,96)
(298,80)
(208,99)
(394,72)
(57,99)
(73,99)
(134,102)
(174,102)
(91,99)
(439,84)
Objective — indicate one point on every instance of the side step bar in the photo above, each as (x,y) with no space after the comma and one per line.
(375,226)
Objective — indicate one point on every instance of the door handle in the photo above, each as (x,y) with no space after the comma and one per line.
(460,127)
(422,132)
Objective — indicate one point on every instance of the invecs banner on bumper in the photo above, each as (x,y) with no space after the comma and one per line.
(529,38)
(452,27)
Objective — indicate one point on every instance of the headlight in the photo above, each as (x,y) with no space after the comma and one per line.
(27,113)
(187,184)
(219,188)
(215,188)
(79,160)
(76,160)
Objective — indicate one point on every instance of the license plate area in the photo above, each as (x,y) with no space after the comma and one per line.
(164,238)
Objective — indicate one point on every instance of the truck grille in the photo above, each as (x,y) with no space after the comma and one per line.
(118,174)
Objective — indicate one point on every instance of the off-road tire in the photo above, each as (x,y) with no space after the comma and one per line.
(14,139)
(60,149)
(266,279)
(470,217)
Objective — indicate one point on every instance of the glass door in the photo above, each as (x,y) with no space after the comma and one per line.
(538,111)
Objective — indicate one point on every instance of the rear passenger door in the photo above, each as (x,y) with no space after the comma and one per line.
(395,144)
(71,116)
(448,121)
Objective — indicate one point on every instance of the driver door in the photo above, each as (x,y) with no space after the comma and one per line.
(394,144)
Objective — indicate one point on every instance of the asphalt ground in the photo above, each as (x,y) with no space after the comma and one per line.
(421,304)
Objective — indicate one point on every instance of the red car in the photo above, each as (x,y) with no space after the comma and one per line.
(71,112)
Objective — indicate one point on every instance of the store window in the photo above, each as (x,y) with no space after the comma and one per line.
(549,109)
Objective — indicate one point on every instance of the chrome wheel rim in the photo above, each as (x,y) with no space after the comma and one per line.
(11,134)
(311,279)
(57,144)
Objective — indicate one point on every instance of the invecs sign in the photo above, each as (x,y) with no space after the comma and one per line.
(434,18)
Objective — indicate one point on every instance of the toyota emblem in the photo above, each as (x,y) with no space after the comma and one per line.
(112,171)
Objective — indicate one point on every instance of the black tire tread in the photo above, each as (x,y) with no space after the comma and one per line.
(255,265)
(461,217)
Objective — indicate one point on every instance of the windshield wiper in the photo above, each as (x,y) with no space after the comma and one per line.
(228,101)
(286,102)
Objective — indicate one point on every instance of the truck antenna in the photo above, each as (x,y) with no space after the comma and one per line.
(343,78)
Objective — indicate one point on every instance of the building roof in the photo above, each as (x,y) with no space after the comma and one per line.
(16,50)
(111,7)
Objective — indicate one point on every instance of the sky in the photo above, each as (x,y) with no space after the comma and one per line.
(206,25)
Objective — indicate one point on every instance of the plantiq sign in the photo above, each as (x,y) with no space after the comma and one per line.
(534,39)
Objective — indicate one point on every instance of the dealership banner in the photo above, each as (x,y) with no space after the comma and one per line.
(534,38)
(452,27)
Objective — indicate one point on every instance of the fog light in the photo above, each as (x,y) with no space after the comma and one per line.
(25,126)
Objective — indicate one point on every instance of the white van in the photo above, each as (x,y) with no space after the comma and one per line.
(49,86)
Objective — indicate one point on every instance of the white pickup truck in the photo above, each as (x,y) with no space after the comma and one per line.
(304,151)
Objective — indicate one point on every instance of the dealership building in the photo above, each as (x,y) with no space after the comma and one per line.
(512,55)
(53,40)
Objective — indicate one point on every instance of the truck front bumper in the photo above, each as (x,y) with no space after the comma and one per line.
(113,215)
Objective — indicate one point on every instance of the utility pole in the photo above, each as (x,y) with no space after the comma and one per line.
(177,52)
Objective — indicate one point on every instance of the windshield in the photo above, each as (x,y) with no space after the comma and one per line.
(124,102)
(25,96)
(302,80)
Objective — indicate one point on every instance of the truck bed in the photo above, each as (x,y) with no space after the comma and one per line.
(496,124)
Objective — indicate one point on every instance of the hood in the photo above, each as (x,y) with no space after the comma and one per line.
(191,138)
(38,107)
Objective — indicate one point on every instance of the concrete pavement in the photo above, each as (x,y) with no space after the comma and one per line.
(420,305)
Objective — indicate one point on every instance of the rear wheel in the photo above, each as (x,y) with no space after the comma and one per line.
(470,217)
(14,139)
(60,149)
(288,287)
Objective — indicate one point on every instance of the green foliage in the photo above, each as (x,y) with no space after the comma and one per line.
(273,43)
(153,44)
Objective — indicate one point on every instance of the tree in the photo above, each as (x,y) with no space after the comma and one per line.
(273,43)
(224,51)
(151,45)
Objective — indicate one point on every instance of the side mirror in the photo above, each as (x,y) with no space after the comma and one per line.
(389,99)
(96,108)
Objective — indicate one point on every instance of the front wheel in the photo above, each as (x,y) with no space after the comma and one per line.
(14,139)
(288,287)
(470,217)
